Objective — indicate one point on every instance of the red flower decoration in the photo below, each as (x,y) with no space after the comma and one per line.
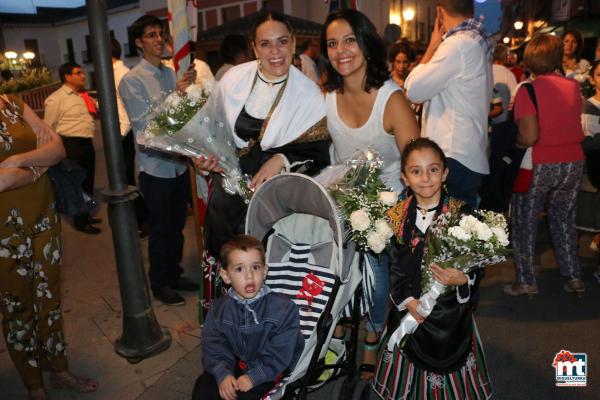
(563,356)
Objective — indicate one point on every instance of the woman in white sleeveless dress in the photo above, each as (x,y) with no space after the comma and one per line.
(365,108)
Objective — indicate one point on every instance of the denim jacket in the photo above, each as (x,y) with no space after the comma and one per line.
(263,333)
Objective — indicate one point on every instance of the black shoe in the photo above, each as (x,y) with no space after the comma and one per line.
(186,285)
(89,229)
(169,297)
(93,220)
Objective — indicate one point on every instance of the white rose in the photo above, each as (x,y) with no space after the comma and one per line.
(194,91)
(501,236)
(483,231)
(376,242)
(469,223)
(360,220)
(388,198)
(383,229)
(459,233)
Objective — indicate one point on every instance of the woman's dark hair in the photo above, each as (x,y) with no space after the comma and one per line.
(419,144)
(369,42)
(232,46)
(578,38)
(401,48)
(595,65)
(265,16)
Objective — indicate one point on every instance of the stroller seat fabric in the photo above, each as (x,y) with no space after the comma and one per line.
(298,277)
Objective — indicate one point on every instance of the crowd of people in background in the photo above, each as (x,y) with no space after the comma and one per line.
(487,120)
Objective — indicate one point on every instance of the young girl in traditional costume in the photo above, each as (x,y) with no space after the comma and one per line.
(443,357)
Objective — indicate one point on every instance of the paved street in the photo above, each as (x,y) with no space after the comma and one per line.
(520,335)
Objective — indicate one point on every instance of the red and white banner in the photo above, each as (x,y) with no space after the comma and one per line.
(180,33)
(192,14)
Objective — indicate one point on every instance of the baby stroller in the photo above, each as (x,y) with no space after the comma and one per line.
(310,262)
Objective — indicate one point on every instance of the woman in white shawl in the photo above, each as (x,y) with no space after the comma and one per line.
(277,117)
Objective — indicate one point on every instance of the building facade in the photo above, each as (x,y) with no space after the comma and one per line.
(60,35)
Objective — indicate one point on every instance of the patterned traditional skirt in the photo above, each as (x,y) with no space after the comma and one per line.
(397,378)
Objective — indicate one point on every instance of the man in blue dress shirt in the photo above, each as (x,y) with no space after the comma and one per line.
(164,179)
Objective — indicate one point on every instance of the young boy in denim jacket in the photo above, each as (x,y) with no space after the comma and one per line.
(251,336)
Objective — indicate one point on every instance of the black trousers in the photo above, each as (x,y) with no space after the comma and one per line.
(167,200)
(81,151)
(139,205)
(206,388)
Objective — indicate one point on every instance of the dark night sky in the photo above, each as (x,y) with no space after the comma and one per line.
(492,12)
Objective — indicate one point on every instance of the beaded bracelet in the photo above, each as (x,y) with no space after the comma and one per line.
(35,171)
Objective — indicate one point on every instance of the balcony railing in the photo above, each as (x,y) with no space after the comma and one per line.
(35,97)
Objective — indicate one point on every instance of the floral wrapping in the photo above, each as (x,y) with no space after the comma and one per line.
(463,242)
(362,199)
(189,125)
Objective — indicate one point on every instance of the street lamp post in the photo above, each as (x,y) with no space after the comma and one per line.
(142,336)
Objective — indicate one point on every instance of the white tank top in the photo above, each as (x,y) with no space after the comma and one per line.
(347,141)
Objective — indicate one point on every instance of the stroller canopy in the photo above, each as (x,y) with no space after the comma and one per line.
(292,193)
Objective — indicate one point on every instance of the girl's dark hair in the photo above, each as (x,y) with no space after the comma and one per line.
(267,15)
(419,144)
(401,48)
(578,38)
(369,42)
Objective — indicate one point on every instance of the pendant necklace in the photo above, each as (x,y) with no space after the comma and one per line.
(271,84)
(425,210)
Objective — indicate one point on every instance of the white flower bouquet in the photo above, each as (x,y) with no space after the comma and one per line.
(466,243)
(185,124)
(363,199)
(177,110)
(582,75)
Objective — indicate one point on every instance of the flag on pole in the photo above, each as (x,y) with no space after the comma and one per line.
(336,4)
(178,23)
(192,14)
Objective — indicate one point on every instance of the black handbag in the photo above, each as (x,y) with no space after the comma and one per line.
(67,177)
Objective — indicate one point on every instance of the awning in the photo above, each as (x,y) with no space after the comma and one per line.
(588,28)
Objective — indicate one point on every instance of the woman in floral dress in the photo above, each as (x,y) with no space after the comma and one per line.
(30,251)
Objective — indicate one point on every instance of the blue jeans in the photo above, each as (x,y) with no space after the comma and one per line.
(463,184)
(377,314)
